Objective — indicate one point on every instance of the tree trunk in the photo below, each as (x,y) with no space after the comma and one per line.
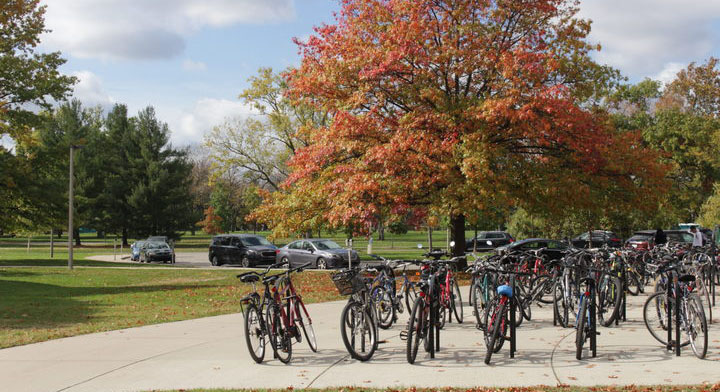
(381,231)
(457,225)
(125,237)
(76,233)
(430,238)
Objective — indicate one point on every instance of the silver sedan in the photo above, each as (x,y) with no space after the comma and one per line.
(321,253)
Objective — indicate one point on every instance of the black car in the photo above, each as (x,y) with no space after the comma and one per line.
(599,238)
(553,249)
(487,240)
(156,251)
(245,249)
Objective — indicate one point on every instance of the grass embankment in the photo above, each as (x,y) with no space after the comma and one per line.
(40,304)
(630,388)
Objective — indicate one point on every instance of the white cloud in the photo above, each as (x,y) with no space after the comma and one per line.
(90,91)
(669,72)
(190,65)
(141,29)
(190,126)
(641,37)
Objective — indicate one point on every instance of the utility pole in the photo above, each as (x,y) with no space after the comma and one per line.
(70,206)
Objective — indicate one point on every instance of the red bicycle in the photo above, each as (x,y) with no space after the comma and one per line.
(286,316)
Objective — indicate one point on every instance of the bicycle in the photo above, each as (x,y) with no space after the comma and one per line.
(256,327)
(358,320)
(284,316)
(689,310)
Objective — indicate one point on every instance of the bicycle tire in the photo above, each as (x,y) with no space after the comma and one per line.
(696,314)
(633,286)
(655,317)
(417,329)
(359,320)
(609,299)
(456,302)
(307,328)
(546,286)
(280,338)
(580,333)
(495,335)
(495,308)
(410,296)
(253,314)
(383,304)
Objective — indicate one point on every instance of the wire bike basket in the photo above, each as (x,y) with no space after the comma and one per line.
(349,282)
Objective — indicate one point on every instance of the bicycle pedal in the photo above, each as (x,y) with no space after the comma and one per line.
(403,335)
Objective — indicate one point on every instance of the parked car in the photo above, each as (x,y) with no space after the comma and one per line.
(135,250)
(156,251)
(641,240)
(599,238)
(679,236)
(322,253)
(246,249)
(554,249)
(487,240)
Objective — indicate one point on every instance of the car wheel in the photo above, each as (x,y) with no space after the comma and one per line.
(321,263)
(214,261)
(245,262)
(285,260)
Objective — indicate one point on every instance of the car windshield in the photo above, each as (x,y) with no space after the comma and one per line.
(680,237)
(254,241)
(157,245)
(639,237)
(326,244)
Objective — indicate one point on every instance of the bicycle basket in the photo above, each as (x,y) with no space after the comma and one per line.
(348,282)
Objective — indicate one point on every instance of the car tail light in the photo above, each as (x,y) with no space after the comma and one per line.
(277,251)
(615,239)
(512,240)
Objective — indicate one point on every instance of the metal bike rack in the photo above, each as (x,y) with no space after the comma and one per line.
(512,318)
(670,343)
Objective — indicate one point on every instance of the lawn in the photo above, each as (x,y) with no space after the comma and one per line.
(40,303)
(630,388)
(40,256)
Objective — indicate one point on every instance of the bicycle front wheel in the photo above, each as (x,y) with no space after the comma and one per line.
(384,305)
(255,333)
(496,336)
(417,329)
(304,321)
(696,328)
(456,302)
(609,299)
(358,331)
(581,333)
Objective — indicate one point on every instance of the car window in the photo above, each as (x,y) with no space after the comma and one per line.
(555,245)
(495,235)
(326,244)
(235,241)
(224,241)
(531,245)
(294,245)
(583,236)
(254,241)
(306,245)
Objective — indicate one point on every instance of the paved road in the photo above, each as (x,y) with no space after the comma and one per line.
(211,352)
(182,259)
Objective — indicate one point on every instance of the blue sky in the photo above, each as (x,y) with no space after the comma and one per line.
(191,58)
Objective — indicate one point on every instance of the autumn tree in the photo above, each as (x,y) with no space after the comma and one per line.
(449,107)
(212,223)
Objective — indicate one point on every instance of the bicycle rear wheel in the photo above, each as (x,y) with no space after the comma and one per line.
(696,328)
(358,331)
(410,296)
(609,299)
(279,336)
(384,306)
(255,333)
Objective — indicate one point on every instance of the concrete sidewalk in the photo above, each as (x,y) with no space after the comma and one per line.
(211,353)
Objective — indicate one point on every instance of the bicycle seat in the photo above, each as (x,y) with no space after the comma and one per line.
(249,277)
(505,290)
(687,278)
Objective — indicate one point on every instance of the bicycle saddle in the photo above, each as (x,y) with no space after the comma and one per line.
(271,279)
(505,290)
(687,278)
(249,277)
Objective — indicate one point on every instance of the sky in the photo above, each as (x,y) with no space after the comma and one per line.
(190,59)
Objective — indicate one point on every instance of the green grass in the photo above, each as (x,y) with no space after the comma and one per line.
(41,257)
(40,303)
(629,388)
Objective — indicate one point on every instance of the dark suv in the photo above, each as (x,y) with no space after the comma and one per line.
(488,240)
(244,249)
(599,238)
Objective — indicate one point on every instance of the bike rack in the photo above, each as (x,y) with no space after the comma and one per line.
(512,319)
(593,319)
(676,343)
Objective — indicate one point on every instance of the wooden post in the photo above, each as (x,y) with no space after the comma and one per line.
(52,243)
